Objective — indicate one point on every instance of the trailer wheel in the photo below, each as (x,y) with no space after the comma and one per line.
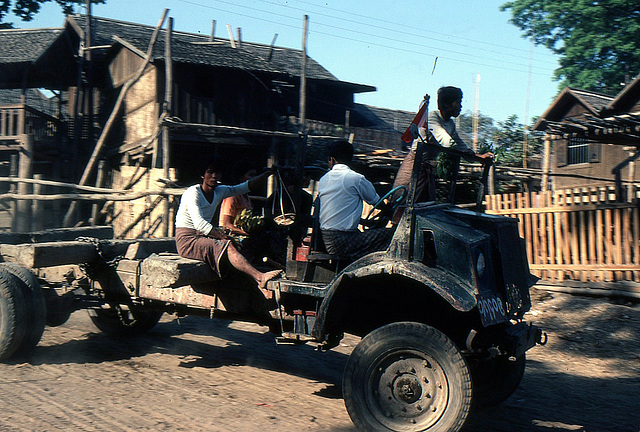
(36,309)
(494,380)
(122,320)
(13,312)
(406,377)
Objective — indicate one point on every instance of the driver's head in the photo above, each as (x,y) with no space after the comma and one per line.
(450,101)
(341,151)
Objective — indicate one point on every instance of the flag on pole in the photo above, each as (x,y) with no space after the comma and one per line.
(419,120)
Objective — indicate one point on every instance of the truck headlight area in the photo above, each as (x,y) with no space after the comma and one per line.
(481,264)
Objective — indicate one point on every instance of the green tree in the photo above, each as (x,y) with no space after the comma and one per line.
(508,143)
(26,9)
(486,129)
(596,40)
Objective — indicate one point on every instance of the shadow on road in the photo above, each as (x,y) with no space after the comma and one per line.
(191,339)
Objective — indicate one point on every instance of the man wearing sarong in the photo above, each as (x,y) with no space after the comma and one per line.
(197,238)
(341,192)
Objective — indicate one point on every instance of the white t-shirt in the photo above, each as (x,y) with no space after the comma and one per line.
(196,212)
(341,192)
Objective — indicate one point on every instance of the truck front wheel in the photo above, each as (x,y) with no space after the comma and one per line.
(407,376)
(120,320)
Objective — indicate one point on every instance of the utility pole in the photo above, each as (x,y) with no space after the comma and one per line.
(476,109)
(303,77)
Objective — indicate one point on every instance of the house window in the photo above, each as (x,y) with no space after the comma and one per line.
(577,151)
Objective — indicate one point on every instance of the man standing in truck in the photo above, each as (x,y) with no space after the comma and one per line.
(440,129)
(341,192)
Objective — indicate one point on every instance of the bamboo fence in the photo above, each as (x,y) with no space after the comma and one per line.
(578,234)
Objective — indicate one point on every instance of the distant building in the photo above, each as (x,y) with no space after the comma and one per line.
(198,95)
(595,137)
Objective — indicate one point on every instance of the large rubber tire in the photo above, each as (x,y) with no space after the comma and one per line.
(494,380)
(124,321)
(408,377)
(36,309)
(13,313)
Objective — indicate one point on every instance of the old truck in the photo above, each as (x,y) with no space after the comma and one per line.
(440,311)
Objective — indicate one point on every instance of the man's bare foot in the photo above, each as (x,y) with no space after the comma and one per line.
(266,277)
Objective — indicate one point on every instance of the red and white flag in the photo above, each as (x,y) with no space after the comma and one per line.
(419,120)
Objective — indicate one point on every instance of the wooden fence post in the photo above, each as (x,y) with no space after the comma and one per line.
(100,178)
(25,171)
(36,221)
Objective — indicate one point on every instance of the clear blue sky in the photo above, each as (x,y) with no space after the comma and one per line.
(389,45)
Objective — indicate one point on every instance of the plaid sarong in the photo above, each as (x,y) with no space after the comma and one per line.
(192,244)
(356,243)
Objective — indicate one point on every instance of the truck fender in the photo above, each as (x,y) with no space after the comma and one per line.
(459,295)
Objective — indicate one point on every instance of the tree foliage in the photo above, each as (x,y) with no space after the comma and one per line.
(27,9)
(508,143)
(596,40)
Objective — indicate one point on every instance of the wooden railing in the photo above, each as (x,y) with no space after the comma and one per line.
(578,234)
(17,120)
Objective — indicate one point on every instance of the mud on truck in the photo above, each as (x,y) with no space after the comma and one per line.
(440,311)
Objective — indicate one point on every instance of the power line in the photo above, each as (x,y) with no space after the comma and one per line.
(332,34)
(398,26)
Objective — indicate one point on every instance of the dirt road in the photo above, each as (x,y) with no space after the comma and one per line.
(202,375)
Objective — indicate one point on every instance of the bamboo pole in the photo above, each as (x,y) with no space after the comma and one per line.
(25,170)
(166,154)
(303,76)
(95,208)
(36,208)
(112,117)
(546,162)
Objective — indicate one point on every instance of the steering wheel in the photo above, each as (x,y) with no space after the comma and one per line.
(385,210)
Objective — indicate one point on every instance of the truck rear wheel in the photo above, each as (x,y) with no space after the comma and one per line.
(123,320)
(494,380)
(407,376)
(36,309)
(13,313)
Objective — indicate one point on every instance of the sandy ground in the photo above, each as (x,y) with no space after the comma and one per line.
(196,374)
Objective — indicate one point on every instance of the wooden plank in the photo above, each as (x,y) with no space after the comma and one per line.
(582,233)
(57,234)
(608,243)
(557,227)
(542,220)
(617,231)
(591,291)
(551,246)
(636,242)
(599,245)
(575,251)
(592,244)
(520,204)
(528,229)
(581,267)
(627,240)
(171,270)
(36,255)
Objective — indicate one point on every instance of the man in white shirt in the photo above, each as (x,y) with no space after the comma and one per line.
(341,192)
(197,238)
(442,131)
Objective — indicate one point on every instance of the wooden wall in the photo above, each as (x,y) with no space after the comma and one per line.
(143,217)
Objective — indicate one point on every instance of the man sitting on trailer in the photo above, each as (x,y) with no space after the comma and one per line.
(341,192)
(197,238)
